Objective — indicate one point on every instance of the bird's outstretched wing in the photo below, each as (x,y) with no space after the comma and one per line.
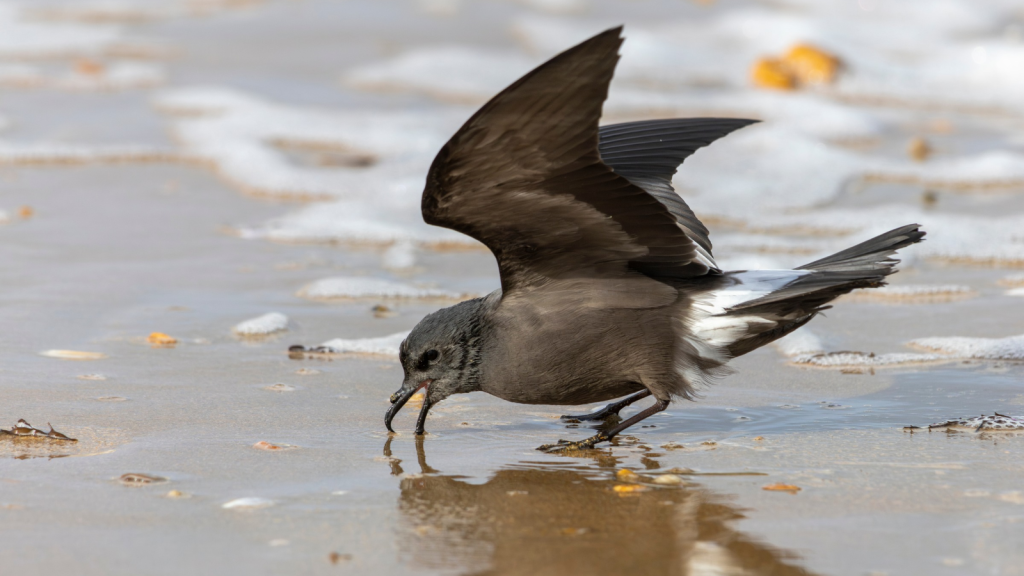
(524,176)
(648,152)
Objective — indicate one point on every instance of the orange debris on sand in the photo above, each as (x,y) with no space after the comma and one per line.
(26,212)
(628,488)
(264,445)
(782,488)
(919,149)
(811,64)
(159,339)
(803,64)
(772,73)
(627,475)
(88,67)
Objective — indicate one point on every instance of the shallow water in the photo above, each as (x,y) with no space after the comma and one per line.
(114,251)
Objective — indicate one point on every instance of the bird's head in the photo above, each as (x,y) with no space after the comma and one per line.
(441,356)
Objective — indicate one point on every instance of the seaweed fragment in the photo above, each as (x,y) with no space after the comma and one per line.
(24,429)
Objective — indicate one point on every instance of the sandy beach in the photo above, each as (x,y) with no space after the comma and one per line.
(180,168)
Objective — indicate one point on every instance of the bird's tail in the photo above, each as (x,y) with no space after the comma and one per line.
(862,266)
(872,255)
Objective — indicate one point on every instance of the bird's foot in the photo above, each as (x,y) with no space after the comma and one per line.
(564,446)
(599,415)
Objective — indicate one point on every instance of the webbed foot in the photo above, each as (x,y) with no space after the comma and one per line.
(564,446)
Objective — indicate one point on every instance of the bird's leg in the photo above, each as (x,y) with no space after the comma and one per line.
(611,409)
(589,443)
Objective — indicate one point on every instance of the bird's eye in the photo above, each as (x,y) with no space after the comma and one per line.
(428,357)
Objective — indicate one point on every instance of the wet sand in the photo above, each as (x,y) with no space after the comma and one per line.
(113,252)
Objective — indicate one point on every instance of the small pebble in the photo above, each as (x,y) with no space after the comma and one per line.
(339,492)
(517,492)
(280,388)
(250,503)
(279,542)
(307,371)
(176,494)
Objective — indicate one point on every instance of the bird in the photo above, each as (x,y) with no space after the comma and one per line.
(609,288)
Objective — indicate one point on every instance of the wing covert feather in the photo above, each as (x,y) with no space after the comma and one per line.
(523,176)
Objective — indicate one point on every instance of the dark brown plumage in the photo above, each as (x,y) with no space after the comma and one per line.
(608,283)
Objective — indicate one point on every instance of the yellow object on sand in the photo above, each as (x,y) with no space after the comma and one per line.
(161,339)
(803,64)
(811,65)
(628,488)
(772,73)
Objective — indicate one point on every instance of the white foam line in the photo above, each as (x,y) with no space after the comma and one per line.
(1009,348)
(342,287)
(382,346)
(262,325)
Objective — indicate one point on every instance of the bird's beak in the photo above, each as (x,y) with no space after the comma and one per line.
(398,399)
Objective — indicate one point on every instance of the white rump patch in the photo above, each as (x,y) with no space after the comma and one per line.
(710,327)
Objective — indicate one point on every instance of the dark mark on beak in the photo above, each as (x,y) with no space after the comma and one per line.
(398,399)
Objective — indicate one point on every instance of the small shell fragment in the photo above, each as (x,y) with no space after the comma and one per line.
(627,475)
(264,445)
(73,355)
(628,488)
(161,340)
(280,388)
(792,489)
(772,73)
(810,64)
(669,480)
(918,149)
(136,479)
(250,503)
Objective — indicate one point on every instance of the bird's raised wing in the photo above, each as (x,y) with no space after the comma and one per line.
(523,176)
(648,152)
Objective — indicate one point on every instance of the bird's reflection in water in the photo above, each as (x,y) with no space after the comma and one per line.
(535,519)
